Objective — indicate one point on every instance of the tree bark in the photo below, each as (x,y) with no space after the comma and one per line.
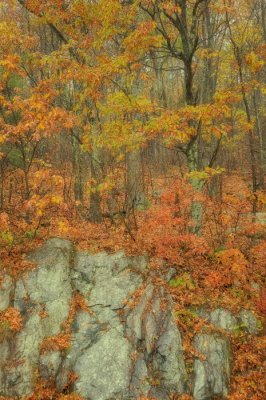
(95,212)
(135,181)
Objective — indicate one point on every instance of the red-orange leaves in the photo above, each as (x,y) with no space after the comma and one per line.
(141,40)
(231,268)
(56,343)
(217,279)
(10,320)
(236,264)
(261,301)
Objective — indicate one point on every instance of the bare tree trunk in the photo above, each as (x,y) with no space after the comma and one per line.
(135,181)
(135,173)
(2,188)
(261,142)
(251,141)
(95,212)
(263,18)
(77,169)
(161,97)
(208,81)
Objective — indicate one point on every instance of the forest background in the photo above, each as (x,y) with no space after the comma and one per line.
(140,125)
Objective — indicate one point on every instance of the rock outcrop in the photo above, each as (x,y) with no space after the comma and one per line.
(115,349)
(212,374)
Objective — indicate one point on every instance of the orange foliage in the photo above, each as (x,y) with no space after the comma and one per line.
(165,231)
(261,302)
(72,396)
(249,369)
(77,303)
(10,319)
(56,343)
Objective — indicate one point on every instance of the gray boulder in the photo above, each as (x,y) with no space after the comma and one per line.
(104,368)
(249,322)
(223,319)
(117,352)
(6,287)
(212,372)
(46,287)
(152,329)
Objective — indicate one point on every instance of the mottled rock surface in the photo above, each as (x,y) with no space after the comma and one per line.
(212,372)
(223,319)
(6,287)
(116,351)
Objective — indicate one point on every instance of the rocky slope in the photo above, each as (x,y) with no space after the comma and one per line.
(116,345)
